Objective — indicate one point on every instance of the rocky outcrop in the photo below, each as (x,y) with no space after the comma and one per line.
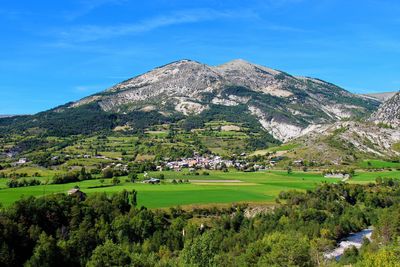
(388,112)
(347,141)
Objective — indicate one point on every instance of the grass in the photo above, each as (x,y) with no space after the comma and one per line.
(284,147)
(256,187)
(30,171)
(368,176)
(259,187)
(378,164)
(157,133)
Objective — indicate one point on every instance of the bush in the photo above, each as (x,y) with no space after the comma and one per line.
(132,177)
(109,254)
(116,181)
(95,171)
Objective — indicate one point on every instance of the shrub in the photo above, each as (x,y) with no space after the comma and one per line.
(116,181)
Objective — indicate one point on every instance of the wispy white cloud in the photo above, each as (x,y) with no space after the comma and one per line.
(88,33)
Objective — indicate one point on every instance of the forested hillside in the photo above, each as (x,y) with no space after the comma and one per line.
(110,230)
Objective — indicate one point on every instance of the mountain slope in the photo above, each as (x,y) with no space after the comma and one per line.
(286,106)
(388,112)
(381,96)
(347,142)
(344,142)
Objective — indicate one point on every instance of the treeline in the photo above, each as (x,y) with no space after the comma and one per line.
(110,230)
(62,122)
(77,175)
(13,183)
(72,176)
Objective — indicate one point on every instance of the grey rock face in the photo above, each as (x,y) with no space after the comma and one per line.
(388,112)
(182,79)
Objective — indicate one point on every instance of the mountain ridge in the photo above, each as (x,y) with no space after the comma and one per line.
(191,87)
(382,97)
(286,106)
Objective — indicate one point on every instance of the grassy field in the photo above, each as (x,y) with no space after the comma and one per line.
(217,188)
(370,176)
(284,147)
(378,164)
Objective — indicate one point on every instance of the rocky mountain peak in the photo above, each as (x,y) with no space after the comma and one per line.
(241,65)
(182,63)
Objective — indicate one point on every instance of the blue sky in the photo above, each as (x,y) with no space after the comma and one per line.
(53,52)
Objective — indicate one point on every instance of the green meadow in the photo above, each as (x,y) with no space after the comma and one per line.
(378,164)
(215,188)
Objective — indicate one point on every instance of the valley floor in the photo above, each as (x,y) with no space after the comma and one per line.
(216,188)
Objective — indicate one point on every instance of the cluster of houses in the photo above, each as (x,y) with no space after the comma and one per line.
(209,163)
(199,162)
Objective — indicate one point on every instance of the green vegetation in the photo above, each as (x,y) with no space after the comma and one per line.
(396,147)
(110,230)
(257,187)
(379,164)
(157,141)
(61,121)
(283,147)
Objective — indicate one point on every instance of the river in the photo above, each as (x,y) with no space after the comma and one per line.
(355,239)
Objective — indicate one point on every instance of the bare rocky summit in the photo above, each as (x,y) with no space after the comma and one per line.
(286,106)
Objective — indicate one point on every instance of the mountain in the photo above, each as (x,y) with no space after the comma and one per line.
(382,97)
(388,112)
(286,106)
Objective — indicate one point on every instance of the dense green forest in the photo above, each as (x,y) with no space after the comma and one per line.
(62,121)
(110,230)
